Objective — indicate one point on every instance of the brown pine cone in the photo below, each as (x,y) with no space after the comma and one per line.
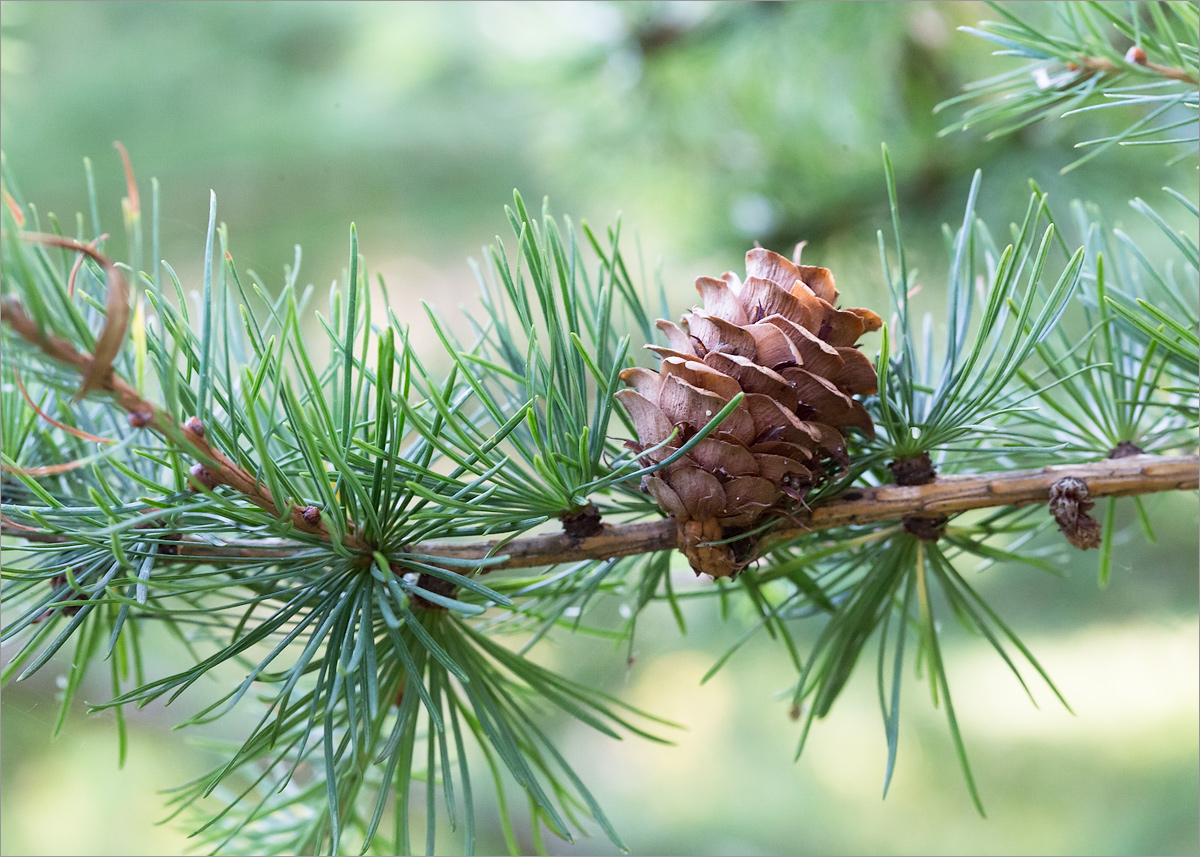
(779,338)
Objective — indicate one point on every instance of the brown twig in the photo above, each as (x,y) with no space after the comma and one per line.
(1103,64)
(947,495)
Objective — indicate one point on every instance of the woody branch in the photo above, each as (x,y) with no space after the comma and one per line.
(947,495)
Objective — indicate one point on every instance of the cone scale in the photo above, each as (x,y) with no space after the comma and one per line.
(778,337)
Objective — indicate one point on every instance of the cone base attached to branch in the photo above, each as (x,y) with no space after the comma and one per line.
(776,356)
(715,560)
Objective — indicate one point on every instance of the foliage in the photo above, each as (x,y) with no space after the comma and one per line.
(1095,58)
(388,454)
(284,535)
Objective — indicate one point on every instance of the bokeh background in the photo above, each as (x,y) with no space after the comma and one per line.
(707,126)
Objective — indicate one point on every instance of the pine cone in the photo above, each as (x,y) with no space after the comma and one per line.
(778,338)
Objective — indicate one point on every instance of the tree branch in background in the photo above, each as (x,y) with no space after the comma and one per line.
(1138,56)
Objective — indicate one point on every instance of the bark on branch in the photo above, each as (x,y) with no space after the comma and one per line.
(1103,64)
(947,495)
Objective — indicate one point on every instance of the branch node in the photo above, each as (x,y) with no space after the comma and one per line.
(192,425)
(918,470)
(204,476)
(1124,449)
(927,528)
(582,523)
(1069,504)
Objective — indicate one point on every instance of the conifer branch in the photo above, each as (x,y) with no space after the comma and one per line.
(427,483)
(214,467)
(947,495)
(1139,474)
(1142,474)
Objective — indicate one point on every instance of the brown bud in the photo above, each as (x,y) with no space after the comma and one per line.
(193,425)
(1069,504)
(582,523)
(1124,449)
(1072,66)
(139,419)
(204,476)
(927,527)
(1136,55)
(913,471)
(311,515)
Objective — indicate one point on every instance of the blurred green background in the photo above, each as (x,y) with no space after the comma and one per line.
(708,126)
